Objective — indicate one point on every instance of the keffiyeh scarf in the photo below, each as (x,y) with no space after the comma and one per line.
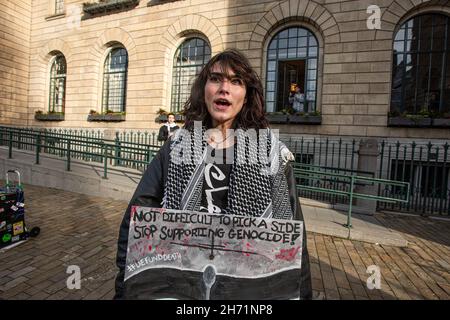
(258,185)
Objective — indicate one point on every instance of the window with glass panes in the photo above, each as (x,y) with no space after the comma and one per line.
(292,57)
(59,6)
(189,60)
(57,90)
(421,66)
(115,80)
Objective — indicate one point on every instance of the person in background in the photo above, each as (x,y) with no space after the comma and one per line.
(168,129)
(297,99)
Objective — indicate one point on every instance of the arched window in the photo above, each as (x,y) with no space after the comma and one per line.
(292,58)
(421,67)
(189,60)
(115,80)
(57,92)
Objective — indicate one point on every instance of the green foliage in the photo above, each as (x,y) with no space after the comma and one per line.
(308,114)
(162,112)
(287,110)
(111,112)
(40,112)
(394,113)
(422,114)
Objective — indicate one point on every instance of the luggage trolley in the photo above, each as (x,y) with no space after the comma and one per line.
(12,213)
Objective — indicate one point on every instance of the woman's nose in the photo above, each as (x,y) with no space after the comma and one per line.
(224,85)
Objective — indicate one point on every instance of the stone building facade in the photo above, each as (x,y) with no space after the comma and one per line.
(15,32)
(345,66)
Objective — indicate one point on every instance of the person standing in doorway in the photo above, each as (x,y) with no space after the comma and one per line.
(297,99)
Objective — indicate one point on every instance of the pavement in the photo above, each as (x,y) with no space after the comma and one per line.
(82,230)
(411,252)
(367,228)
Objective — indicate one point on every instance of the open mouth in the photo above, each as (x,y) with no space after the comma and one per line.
(222,103)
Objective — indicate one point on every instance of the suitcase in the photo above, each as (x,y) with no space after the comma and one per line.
(12,212)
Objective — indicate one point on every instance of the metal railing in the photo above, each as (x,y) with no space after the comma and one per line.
(331,155)
(125,139)
(425,166)
(55,143)
(107,152)
(325,182)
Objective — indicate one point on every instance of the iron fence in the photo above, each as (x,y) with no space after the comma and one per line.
(82,145)
(424,165)
(334,156)
(55,143)
(125,139)
(314,173)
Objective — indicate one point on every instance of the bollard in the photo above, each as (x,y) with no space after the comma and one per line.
(116,150)
(10,145)
(367,162)
(68,155)
(349,215)
(38,147)
(105,158)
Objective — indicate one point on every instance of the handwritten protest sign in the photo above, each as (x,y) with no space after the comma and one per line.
(213,245)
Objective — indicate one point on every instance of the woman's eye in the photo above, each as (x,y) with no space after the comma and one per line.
(237,81)
(214,79)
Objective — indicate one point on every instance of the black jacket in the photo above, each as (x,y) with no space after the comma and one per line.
(163,134)
(150,192)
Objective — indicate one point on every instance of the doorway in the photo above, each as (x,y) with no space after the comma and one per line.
(289,72)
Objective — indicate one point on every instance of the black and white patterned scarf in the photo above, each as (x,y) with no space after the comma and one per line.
(257,188)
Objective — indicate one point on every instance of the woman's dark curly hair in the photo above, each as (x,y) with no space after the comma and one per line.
(252,114)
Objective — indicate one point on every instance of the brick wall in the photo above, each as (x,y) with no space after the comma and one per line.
(15,24)
(354,62)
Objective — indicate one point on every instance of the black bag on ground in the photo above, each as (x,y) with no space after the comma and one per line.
(12,213)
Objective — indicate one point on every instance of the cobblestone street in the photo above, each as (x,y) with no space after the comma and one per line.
(82,230)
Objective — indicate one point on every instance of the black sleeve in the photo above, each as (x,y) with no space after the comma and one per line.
(149,193)
(305,282)
(163,133)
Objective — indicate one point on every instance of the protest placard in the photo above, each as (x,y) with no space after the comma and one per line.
(208,251)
